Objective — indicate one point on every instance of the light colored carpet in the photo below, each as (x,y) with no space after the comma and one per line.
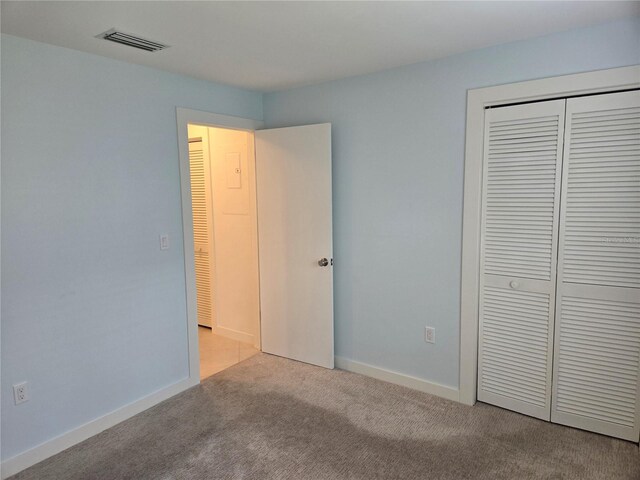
(271,418)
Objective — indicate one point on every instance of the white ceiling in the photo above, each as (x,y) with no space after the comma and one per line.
(277,45)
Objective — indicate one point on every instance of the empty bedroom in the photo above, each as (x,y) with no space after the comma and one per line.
(320,240)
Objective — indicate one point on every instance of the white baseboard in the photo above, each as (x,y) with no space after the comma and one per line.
(13,465)
(233,334)
(408,381)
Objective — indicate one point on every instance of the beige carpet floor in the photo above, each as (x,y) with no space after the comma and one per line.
(271,418)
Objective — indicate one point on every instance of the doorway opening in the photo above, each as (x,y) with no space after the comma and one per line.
(286,174)
(225,239)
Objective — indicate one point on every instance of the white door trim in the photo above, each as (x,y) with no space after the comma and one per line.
(477,100)
(185,116)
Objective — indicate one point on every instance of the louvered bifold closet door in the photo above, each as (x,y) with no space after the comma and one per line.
(202,230)
(521,182)
(597,344)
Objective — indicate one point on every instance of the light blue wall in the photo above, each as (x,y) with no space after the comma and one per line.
(93,313)
(398,155)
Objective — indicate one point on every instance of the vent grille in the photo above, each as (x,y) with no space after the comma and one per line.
(122,38)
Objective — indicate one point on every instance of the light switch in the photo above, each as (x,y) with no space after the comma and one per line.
(164,241)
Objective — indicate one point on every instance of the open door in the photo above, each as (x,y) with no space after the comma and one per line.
(293,174)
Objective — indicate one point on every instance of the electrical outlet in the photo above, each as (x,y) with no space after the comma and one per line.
(20,393)
(164,241)
(429,334)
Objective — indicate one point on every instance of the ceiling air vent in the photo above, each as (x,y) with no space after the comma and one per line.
(122,38)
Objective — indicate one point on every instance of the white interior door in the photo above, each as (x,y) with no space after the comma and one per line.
(521,198)
(202,229)
(293,174)
(597,343)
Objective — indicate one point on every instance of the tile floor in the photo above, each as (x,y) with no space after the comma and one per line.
(218,352)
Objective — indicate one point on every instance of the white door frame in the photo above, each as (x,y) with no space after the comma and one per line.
(600,81)
(185,116)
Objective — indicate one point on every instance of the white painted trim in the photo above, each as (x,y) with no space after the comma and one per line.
(68,439)
(236,335)
(185,116)
(210,119)
(477,100)
(450,393)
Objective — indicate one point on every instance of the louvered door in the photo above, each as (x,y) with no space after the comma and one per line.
(522,170)
(202,230)
(597,346)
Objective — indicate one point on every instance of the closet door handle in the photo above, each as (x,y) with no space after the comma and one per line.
(323,262)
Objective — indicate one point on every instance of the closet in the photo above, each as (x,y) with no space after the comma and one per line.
(202,228)
(559,313)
